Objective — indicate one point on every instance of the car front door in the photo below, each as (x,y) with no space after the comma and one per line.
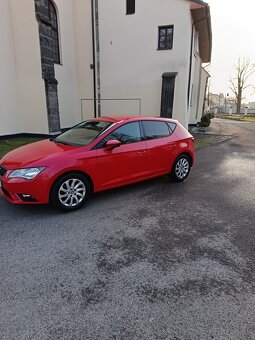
(124,164)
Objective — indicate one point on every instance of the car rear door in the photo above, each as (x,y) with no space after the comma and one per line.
(126,163)
(161,146)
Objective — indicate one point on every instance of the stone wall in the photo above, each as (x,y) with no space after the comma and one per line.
(47,62)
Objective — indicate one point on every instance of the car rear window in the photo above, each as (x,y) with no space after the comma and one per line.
(155,129)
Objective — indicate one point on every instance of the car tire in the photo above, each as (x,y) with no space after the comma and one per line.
(181,168)
(70,192)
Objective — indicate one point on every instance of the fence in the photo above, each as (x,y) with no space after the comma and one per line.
(250,112)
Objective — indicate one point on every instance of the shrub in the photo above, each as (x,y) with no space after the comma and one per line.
(205,120)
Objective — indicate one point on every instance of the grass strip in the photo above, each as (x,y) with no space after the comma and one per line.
(7,145)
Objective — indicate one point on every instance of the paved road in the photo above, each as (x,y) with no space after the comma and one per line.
(155,260)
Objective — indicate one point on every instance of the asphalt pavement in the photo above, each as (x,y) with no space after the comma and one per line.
(155,260)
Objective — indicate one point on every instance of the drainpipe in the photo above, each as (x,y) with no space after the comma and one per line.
(93,66)
(97,45)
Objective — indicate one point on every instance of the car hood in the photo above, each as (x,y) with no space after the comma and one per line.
(34,154)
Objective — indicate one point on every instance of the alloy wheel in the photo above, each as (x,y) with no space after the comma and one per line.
(182,168)
(72,192)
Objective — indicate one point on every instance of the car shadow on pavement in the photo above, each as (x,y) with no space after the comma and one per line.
(117,194)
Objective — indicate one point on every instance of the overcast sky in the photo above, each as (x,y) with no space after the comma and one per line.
(233,26)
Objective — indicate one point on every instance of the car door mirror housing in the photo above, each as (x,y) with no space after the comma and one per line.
(112,144)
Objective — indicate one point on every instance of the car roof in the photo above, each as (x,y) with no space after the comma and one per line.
(117,119)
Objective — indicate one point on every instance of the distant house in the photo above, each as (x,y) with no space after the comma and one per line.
(65,61)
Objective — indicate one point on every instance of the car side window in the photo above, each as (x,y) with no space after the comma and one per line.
(155,129)
(172,126)
(126,134)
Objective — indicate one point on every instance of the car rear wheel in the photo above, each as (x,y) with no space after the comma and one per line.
(70,192)
(181,168)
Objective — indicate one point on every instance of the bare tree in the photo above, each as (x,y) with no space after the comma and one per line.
(243,70)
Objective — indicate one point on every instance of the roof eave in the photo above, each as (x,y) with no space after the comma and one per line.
(202,22)
(199,2)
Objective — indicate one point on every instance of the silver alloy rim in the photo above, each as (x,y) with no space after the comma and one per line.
(72,192)
(182,168)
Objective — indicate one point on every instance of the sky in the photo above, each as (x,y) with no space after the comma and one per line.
(233,29)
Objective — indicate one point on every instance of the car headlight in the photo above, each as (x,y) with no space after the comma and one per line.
(28,173)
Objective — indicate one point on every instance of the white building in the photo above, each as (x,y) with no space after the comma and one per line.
(66,61)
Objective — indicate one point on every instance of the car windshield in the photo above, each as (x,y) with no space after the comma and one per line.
(83,134)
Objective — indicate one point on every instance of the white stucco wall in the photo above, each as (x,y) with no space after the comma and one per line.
(203,84)
(195,96)
(84,55)
(9,119)
(131,65)
(30,86)
(65,73)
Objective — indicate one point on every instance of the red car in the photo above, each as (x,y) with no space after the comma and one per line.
(96,155)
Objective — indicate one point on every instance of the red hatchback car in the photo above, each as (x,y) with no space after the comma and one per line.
(96,155)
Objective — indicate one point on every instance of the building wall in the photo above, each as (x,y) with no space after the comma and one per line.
(22,97)
(74,75)
(66,72)
(22,89)
(84,56)
(196,87)
(131,65)
(10,121)
(204,78)
(31,101)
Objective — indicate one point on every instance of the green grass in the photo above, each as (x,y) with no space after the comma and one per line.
(202,143)
(238,118)
(202,140)
(7,145)
(249,119)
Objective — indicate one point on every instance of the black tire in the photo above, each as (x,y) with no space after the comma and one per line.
(70,192)
(181,168)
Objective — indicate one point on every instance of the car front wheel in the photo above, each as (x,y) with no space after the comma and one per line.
(181,168)
(70,192)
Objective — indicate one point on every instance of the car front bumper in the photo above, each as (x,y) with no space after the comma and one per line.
(21,191)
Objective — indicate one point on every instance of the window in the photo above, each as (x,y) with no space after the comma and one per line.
(172,126)
(130,7)
(84,133)
(155,130)
(165,37)
(127,134)
(54,31)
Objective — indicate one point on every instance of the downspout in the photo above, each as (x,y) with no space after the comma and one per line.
(97,58)
(93,66)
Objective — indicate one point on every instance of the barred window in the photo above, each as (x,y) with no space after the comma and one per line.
(55,36)
(165,37)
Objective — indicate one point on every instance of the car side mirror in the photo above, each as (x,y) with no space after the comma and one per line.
(112,144)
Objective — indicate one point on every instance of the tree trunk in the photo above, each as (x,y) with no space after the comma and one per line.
(239,104)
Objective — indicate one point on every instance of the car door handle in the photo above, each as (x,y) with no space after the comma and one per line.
(141,153)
